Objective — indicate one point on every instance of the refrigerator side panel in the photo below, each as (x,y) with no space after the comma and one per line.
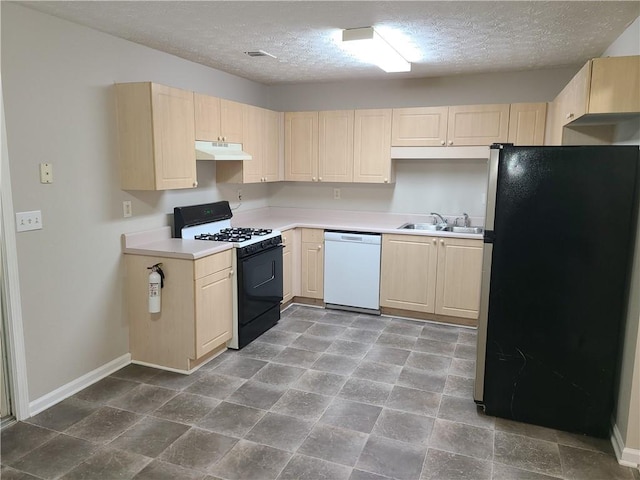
(478,387)
(561,248)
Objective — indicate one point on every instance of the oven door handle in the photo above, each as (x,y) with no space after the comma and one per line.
(273,276)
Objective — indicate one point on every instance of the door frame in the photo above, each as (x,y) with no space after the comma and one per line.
(10,284)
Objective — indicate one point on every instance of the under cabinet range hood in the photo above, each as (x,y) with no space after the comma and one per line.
(220,151)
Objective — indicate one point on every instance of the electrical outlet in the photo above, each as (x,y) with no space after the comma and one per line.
(336,194)
(126,209)
(26,221)
(239,195)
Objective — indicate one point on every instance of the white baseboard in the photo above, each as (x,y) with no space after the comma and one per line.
(628,457)
(65,391)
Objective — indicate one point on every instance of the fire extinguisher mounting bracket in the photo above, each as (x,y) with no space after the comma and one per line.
(156,268)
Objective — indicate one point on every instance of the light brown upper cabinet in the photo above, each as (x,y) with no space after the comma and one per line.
(466,125)
(478,124)
(319,146)
(262,130)
(372,146)
(155,137)
(335,146)
(603,86)
(217,119)
(527,123)
(419,127)
(301,146)
(615,85)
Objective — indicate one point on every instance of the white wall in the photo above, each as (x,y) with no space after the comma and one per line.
(60,108)
(422,186)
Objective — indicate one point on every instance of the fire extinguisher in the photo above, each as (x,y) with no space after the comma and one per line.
(156,283)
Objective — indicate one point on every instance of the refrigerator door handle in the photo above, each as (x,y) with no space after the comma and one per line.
(483,319)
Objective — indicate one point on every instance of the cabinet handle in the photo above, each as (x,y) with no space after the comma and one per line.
(195,184)
(224,139)
(442,142)
(319,247)
(434,241)
(386,180)
(313,179)
(441,242)
(569,115)
(219,138)
(231,272)
(319,179)
(450,142)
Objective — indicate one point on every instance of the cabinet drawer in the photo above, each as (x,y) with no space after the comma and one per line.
(312,235)
(212,263)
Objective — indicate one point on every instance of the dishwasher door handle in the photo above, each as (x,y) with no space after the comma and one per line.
(348,237)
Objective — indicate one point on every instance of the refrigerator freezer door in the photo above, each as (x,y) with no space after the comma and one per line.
(564,222)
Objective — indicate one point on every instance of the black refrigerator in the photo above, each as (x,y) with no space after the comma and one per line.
(558,248)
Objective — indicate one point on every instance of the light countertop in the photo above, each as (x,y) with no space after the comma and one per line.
(158,242)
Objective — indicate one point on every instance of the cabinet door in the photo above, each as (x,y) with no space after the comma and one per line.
(301,146)
(287,266)
(231,121)
(615,85)
(271,145)
(253,131)
(372,146)
(458,278)
(174,138)
(527,123)
(478,124)
(419,127)
(573,100)
(312,264)
(207,117)
(214,311)
(408,272)
(335,146)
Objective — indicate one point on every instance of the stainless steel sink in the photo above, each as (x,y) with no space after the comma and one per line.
(438,227)
(465,229)
(420,226)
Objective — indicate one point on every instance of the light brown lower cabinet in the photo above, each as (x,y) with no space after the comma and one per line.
(290,264)
(408,272)
(312,263)
(196,310)
(458,279)
(439,275)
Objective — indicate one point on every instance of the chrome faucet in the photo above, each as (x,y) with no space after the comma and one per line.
(465,218)
(442,222)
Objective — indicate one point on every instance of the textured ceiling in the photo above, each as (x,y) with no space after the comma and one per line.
(445,38)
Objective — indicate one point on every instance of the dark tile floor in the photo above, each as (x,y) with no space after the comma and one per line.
(323,395)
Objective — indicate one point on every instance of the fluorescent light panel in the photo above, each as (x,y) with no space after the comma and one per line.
(370,47)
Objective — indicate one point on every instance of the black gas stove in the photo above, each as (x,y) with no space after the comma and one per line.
(257,263)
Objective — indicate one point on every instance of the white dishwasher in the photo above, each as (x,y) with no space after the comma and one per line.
(352,271)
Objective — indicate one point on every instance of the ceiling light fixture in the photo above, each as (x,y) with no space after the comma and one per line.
(369,46)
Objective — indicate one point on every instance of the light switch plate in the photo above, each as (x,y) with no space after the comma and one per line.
(46,173)
(26,221)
